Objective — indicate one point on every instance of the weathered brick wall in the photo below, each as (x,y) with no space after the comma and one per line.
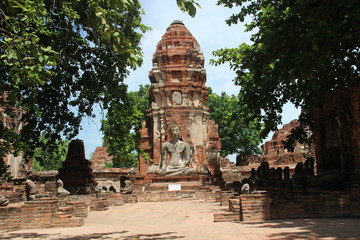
(297,204)
(100,158)
(99,204)
(225,196)
(338,126)
(318,204)
(38,214)
(255,207)
(165,195)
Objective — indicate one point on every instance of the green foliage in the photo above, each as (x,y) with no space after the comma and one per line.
(188,6)
(237,135)
(122,126)
(58,59)
(4,174)
(49,157)
(109,165)
(301,50)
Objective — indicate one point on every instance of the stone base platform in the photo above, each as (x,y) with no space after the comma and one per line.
(173,186)
(182,195)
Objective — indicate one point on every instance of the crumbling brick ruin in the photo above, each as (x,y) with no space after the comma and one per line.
(338,134)
(330,191)
(273,152)
(18,167)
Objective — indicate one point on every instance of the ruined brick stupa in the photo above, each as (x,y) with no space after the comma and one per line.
(178,137)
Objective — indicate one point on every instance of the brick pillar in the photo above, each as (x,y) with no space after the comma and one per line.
(255,207)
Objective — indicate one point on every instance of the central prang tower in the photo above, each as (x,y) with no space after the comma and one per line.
(178,95)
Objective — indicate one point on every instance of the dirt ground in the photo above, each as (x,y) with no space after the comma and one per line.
(188,220)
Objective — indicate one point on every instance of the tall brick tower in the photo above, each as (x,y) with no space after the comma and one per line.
(178,94)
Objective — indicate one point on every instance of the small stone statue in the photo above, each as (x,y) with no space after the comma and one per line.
(299,178)
(245,189)
(3,201)
(287,179)
(128,188)
(30,190)
(278,177)
(61,191)
(178,150)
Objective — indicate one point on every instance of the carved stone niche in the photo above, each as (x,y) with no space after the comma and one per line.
(176,76)
(176,98)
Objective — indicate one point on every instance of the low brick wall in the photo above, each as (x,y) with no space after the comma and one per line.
(226,217)
(318,204)
(38,214)
(130,198)
(99,204)
(296,204)
(255,207)
(81,208)
(10,218)
(225,196)
(233,213)
(182,195)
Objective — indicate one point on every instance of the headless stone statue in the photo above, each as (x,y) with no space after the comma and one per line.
(178,150)
(245,189)
(30,190)
(128,188)
(3,201)
(61,191)
(299,178)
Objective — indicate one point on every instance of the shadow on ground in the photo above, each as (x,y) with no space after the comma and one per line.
(310,229)
(113,235)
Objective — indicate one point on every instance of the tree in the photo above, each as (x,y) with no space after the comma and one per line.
(122,127)
(237,135)
(43,160)
(59,58)
(301,50)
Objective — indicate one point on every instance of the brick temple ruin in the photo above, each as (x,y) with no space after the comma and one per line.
(178,96)
(180,160)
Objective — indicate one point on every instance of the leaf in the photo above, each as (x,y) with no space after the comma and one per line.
(191,9)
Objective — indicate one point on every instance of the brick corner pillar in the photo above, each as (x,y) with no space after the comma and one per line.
(255,207)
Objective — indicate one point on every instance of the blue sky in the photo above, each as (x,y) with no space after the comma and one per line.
(211,32)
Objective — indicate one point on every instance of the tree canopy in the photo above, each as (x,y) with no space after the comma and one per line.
(59,58)
(122,126)
(237,135)
(300,50)
(46,159)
